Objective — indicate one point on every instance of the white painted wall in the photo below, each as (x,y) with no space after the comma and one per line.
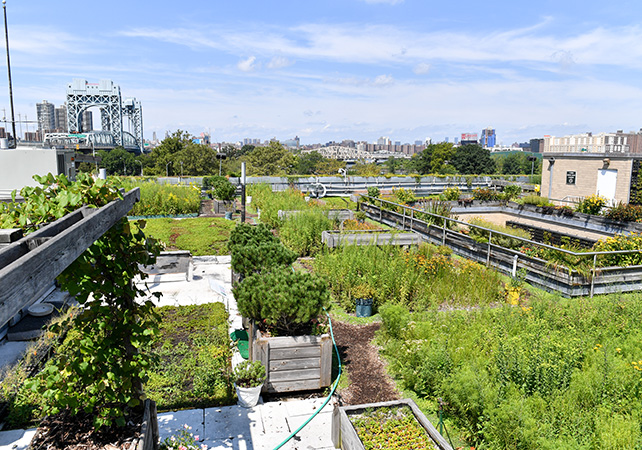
(17,166)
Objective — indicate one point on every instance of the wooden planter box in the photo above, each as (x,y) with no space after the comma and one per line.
(345,436)
(298,363)
(149,436)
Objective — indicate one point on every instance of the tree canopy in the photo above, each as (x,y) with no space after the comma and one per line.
(472,159)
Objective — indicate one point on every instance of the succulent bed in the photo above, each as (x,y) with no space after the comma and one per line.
(393,427)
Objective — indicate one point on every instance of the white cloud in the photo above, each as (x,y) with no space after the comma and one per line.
(383,80)
(247,65)
(279,62)
(422,68)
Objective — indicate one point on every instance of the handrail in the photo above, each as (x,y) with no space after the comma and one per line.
(541,244)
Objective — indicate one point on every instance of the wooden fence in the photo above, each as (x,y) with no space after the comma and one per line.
(538,272)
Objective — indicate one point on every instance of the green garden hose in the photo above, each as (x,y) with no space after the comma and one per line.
(336,383)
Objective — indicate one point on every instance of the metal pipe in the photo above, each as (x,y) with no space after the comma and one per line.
(243,183)
(6,37)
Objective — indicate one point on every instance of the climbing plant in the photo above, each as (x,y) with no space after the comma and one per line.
(101,371)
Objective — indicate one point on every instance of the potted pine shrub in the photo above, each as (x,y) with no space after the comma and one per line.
(284,308)
(249,377)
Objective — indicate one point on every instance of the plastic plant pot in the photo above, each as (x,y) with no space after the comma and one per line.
(248,397)
(364,307)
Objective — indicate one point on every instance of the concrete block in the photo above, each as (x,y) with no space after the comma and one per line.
(232,422)
(170,423)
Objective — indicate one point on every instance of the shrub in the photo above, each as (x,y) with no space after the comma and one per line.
(246,234)
(255,258)
(395,319)
(534,200)
(619,242)
(270,203)
(282,301)
(512,191)
(452,193)
(249,374)
(482,236)
(403,196)
(591,205)
(212,182)
(485,195)
(625,212)
(374,191)
(224,190)
(164,199)
(301,232)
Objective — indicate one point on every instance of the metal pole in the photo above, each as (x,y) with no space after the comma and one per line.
(243,181)
(593,275)
(220,163)
(490,238)
(443,238)
(6,37)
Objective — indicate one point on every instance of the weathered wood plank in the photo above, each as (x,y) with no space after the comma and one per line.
(9,235)
(291,386)
(294,341)
(296,375)
(326,361)
(295,352)
(22,279)
(294,364)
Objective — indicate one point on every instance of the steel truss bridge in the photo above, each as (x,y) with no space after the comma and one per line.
(105,95)
(92,140)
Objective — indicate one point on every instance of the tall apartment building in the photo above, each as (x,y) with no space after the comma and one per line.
(61,119)
(87,121)
(488,138)
(46,116)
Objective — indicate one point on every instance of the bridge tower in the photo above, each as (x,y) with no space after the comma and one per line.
(105,95)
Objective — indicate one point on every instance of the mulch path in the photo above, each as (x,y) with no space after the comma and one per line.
(369,381)
(66,432)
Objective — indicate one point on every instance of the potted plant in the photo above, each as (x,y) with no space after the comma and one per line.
(363,296)
(284,308)
(249,377)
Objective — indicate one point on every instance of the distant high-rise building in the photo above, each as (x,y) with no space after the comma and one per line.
(383,140)
(46,116)
(61,119)
(87,121)
(488,138)
(537,145)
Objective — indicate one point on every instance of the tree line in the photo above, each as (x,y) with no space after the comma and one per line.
(179,155)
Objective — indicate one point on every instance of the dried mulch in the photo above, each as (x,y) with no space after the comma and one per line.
(369,381)
(64,431)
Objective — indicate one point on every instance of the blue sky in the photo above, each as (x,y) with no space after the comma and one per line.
(344,69)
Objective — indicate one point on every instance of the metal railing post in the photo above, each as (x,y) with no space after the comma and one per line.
(443,237)
(403,219)
(412,214)
(490,238)
(593,275)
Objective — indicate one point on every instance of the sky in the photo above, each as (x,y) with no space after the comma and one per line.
(339,69)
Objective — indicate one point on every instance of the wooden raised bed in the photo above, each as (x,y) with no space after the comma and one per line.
(298,363)
(345,436)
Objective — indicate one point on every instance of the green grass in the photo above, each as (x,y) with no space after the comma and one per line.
(339,203)
(193,355)
(199,235)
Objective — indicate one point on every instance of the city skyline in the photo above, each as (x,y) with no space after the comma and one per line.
(352,69)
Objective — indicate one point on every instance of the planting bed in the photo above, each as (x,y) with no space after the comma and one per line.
(392,425)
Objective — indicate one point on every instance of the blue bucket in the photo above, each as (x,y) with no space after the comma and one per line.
(364,307)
